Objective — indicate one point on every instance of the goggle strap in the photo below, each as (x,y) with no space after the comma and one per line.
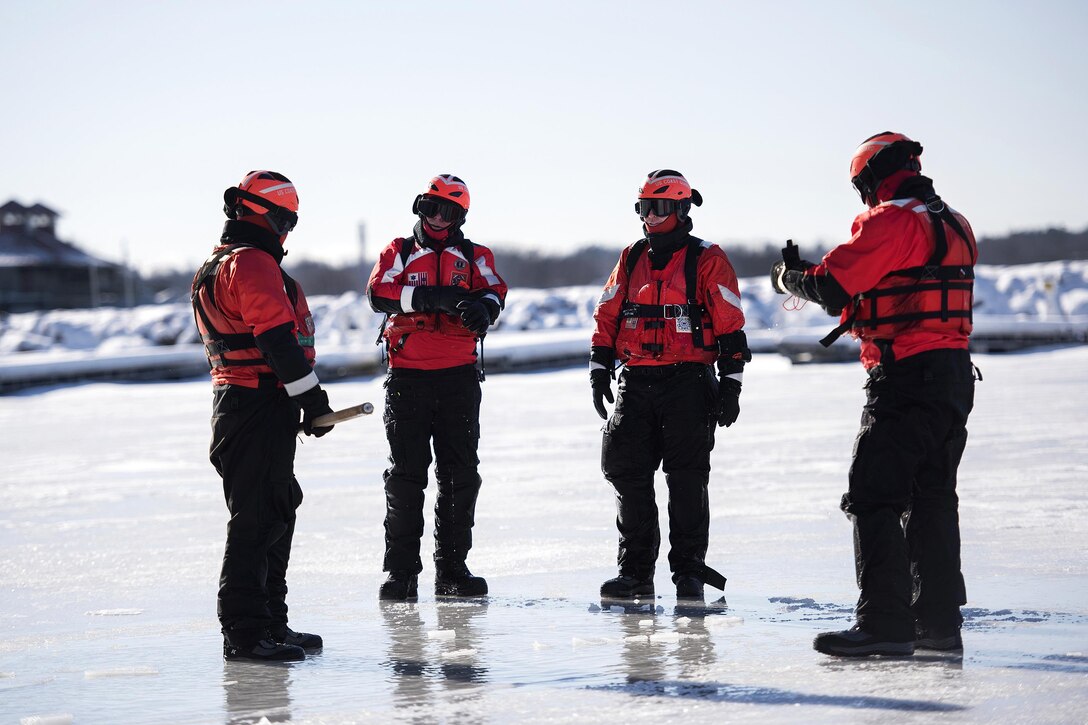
(262,201)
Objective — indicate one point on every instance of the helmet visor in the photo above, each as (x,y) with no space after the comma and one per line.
(657,207)
(431,208)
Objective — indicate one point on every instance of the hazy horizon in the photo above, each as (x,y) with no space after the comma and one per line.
(131,118)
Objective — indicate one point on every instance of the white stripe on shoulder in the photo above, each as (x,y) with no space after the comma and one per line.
(481,264)
(607,294)
(728,296)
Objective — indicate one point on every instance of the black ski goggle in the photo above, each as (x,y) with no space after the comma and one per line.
(431,208)
(657,207)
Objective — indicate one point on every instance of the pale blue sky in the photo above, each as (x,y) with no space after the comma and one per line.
(132,117)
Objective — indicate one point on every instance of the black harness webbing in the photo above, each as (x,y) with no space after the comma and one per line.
(932,276)
(659,313)
(216,343)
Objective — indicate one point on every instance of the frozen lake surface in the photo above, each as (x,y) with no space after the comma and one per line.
(112,528)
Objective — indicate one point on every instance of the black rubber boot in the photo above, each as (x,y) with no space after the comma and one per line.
(458,581)
(856,642)
(689,587)
(628,587)
(282,634)
(398,586)
(944,639)
(264,650)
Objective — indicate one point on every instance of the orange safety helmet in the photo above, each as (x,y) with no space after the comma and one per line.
(446,196)
(880,156)
(666,191)
(264,193)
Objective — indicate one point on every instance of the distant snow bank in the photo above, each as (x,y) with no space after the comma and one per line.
(1005,296)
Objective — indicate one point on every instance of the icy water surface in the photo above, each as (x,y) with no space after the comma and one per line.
(112,526)
(503,658)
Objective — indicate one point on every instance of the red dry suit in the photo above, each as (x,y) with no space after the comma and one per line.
(430,340)
(240,294)
(647,317)
(899,291)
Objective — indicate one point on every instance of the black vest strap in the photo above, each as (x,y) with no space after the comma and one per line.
(692,310)
(217,343)
(932,276)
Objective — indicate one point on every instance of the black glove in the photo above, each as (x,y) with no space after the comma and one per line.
(791,256)
(477,315)
(791,262)
(438,299)
(601,374)
(314,403)
(728,401)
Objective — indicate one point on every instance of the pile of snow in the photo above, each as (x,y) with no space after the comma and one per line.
(1050,291)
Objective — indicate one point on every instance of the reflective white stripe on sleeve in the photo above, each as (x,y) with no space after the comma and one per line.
(607,294)
(394,269)
(300,386)
(739,377)
(493,296)
(594,365)
(489,276)
(728,296)
(406,299)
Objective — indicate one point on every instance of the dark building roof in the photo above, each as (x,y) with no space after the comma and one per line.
(28,239)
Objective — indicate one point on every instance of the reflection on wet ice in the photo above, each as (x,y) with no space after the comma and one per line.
(655,643)
(256,690)
(440,662)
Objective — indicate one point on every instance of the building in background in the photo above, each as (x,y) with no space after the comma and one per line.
(39,271)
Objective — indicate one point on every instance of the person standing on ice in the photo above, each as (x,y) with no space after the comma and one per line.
(259,338)
(440,292)
(671,312)
(903,285)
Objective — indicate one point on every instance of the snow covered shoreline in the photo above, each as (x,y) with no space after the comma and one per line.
(1035,304)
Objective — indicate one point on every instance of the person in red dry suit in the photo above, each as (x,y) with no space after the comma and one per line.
(903,286)
(259,338)
(441,293)
(670,311)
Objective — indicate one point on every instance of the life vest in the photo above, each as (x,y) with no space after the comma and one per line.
(662,319)
(937,296)
(395,328)
(242,346)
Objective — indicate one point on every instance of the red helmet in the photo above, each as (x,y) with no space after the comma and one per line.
(264,193)
(446,196)
(879,157)
(666,191)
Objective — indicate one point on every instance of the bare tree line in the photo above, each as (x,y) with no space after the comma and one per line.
(592,264)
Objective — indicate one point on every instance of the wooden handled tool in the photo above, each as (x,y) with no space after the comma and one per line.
(339,416)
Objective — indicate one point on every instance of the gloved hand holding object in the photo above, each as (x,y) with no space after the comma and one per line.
(791,262)
(314,403)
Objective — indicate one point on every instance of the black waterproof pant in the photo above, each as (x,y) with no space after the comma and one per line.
(902,496)
(422,406)
(253,449)
(662,418)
